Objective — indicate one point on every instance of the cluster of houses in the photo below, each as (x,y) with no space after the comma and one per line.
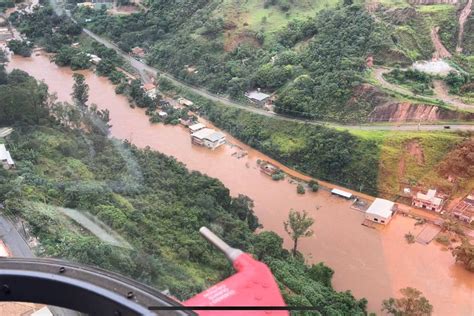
(207,137)
(6,158)
(382,210)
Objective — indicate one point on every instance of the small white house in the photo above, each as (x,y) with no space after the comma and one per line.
(6,158)
(380,211)
(196,127)
(208,137)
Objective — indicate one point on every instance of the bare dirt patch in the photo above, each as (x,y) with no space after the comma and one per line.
(235,39)
(415,150)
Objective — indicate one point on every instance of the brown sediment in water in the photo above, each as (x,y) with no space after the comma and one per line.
(371,263)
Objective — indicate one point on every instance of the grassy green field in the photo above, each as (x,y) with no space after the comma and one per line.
(253,15)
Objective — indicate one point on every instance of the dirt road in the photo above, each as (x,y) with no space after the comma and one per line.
(440,51)
(462,19)
(440,90)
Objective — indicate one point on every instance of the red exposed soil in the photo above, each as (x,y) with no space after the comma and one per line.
(440,51)
(414,149)
(233,40)
(466,11)
(459,163)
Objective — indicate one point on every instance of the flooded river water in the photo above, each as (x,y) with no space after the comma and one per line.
(371,263)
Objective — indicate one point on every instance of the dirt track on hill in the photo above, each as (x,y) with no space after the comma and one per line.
(466,11)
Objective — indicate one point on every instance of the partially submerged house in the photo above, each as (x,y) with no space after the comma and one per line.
(257,97)
(196,127)
(268,168)
(150,90)
(464,210)
(380,211)
(6,158)
(208,137)
(429,201)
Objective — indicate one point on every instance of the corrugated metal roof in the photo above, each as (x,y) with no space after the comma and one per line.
(341,193)
(209,134)
(381,207)
(196,127)
(214,137)
(257,95)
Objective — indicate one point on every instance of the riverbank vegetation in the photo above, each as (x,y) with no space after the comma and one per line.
(152,201)
(412,302)
(324,153)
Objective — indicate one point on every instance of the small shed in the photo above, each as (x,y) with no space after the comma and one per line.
(380,211)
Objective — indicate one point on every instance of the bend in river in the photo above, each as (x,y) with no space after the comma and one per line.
(371,263)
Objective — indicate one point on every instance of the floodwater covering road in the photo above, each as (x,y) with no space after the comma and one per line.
(371,263)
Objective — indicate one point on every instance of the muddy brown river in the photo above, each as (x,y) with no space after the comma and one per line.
(371,263)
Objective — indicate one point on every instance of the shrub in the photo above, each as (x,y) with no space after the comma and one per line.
(314,185)
(443,239)
(410,238)
(278,176)
(300,189)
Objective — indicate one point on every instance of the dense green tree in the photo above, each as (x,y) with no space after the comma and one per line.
(298,226)
(22,99)
(464,253)
(412,303)
(321,273)
(80,93)
(268,244)
(105,67)
(19,47)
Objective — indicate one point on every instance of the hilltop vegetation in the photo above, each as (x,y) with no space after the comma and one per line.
(312,54)
(151,200)
(314,63)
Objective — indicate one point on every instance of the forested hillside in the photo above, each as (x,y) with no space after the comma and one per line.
(313,55)
(313,62)
(65,159)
